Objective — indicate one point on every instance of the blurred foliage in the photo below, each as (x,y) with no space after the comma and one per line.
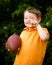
(11,21)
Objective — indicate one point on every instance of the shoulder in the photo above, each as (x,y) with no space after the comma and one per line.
(45,29)
(23,32)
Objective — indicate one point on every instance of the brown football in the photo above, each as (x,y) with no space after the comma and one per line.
(13,43)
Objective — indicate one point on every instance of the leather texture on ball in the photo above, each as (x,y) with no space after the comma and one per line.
(13,43)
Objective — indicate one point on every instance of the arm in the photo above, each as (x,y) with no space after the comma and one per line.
(44,34)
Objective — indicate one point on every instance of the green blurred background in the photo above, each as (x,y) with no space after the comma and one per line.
(11,21)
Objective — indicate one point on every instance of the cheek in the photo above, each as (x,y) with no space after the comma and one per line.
(25,21)
(37,21)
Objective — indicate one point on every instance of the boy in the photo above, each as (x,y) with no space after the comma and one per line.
(34,40)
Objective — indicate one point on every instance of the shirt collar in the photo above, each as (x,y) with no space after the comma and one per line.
(29,29)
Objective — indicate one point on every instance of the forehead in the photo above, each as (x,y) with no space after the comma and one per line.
(28,14)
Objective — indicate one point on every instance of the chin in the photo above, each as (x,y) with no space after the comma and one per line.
(28,26)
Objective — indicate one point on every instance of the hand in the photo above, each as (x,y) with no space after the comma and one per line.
(35,24)
(7,47)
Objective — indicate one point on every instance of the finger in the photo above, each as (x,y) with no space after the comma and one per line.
(8,49)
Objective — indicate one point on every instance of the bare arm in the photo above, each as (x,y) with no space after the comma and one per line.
(44,35)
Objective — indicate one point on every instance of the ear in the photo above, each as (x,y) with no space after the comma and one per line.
(39,19)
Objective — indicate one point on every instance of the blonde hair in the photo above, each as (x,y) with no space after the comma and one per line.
(34,11)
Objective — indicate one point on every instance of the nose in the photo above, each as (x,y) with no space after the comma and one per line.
(28,19)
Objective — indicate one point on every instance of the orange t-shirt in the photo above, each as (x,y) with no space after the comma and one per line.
(33,49)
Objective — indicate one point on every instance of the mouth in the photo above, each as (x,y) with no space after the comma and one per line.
(27,23)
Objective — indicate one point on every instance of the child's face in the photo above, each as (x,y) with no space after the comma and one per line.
(30,18)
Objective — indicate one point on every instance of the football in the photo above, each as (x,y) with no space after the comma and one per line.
(13,43)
